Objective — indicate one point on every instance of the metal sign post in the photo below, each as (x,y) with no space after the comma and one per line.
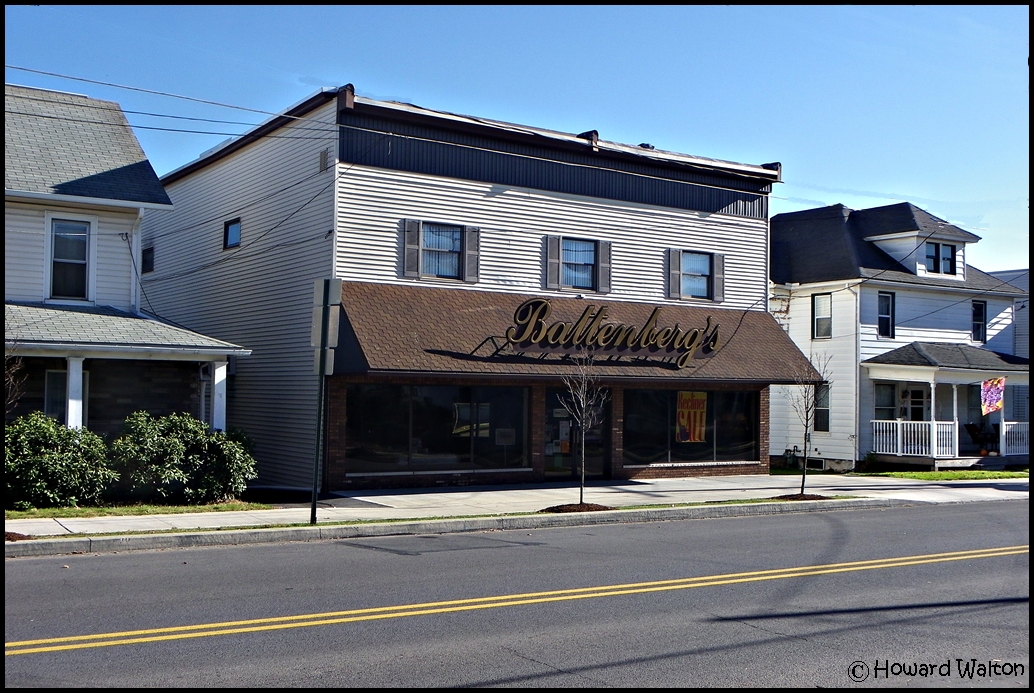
(324,338)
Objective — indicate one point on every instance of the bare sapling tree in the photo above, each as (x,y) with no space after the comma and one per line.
(585,401)
(804,400)
(14,381)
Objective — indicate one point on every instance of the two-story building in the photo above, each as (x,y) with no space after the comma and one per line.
(477,260)
(908,333)
(76,187)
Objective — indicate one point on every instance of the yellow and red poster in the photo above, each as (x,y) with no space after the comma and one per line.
(691,417)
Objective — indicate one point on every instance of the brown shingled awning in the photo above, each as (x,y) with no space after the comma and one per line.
(391,329)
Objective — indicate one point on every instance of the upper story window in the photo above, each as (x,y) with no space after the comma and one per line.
(146,260)
(821,316)
(576,263)
(70,252)
(885,315)
(71,255)
(696,275)
(232,234)
(440,248)
(979,321)
(940,258)
(440,251)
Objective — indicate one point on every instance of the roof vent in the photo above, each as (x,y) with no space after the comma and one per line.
(646,145)
(592,136)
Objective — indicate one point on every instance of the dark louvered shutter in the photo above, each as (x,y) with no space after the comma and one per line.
(603,267)
(674,273)
(471,253)
(719,278)
(552,262)
(411,254)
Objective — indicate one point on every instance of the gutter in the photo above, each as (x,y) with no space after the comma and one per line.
(82,200)
(21,348)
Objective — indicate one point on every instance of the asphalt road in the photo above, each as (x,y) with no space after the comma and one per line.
(805,600)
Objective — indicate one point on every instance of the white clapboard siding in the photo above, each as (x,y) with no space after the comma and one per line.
(260,295)
(25,231)
(514,222)
(929,315)
(793,311)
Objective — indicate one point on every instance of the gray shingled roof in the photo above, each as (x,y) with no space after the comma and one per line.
(28,325)
(828,244)
(947,355)
(68,144)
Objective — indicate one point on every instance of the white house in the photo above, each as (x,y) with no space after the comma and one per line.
(907,332)
(76,188)
(475,259)
(1017,402)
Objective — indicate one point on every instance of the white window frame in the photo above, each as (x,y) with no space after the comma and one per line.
(91,256)
(815,317)
(892,317)
(828,408)
(982,339)
(594,281)
(939,258)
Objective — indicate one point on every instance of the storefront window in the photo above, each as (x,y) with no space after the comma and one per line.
(403,429)
(690,426)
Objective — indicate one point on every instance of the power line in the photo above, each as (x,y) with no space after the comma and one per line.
(162,129)
(151,91)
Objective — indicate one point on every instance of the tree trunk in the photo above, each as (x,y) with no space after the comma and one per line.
(804,462)
(581,487)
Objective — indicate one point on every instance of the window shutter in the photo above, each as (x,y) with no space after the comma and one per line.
(674,273)
(603,267)
(471,240)
(718,291)
(552,262)
(411,255)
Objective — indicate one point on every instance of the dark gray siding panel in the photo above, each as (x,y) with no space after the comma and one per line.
(407,147)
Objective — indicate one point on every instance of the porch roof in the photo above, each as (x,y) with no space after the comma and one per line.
(947,362)
(32,329)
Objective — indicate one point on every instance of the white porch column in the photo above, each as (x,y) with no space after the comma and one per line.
(74,393)
(955,414)
(219,395)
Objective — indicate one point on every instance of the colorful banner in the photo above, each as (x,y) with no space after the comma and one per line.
(992,393)
(691,417)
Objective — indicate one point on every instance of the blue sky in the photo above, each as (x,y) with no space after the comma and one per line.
(862,105)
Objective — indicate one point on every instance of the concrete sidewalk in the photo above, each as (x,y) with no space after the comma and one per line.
(440,509)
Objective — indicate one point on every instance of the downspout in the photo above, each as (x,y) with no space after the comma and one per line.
(135,250)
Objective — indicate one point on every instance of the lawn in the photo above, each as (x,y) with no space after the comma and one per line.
(138,509)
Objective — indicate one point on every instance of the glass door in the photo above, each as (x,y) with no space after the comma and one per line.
(562,441)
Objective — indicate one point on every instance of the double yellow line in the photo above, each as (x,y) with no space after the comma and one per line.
(204,630)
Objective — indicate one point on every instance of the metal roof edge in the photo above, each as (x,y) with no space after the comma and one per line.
(771,173)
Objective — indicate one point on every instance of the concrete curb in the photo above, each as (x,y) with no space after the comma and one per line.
(178,540)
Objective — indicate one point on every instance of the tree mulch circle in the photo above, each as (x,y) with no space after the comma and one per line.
(575,508)
(14,536)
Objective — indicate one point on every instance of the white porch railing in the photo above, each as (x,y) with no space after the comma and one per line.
(937,439)
(1015,438)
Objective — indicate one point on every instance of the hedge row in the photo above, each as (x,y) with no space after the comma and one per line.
(174,459)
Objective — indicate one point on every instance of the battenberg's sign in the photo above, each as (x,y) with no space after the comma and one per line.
(531,331)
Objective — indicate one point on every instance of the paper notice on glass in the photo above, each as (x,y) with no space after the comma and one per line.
(565,430)
(691,417)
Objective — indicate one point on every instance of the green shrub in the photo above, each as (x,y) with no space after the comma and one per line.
(177,459)
(47,465)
